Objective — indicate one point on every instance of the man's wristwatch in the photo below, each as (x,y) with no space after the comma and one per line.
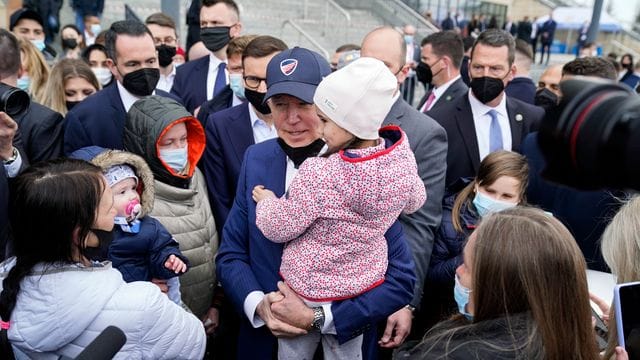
(13,157)
(318,318)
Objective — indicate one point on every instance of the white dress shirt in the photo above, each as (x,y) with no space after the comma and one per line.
(261,130)
(482,123)
(437,92)
(166,82)
(214,62)
(128,98)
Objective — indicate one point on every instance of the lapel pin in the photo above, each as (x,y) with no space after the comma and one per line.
(448,97)
(519,117)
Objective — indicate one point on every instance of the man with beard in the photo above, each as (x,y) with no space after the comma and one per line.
(200,80)
(487,119)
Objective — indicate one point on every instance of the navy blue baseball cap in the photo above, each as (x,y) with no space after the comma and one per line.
(296,72)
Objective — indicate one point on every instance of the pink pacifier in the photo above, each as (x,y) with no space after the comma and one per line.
(133,209)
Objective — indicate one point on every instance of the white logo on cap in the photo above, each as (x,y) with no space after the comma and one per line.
(288,66)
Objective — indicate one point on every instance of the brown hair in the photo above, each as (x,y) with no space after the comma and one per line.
(263,45)
(238,44)
(527,261)
(36,67)
(53,95)
(493,166)
(161,19)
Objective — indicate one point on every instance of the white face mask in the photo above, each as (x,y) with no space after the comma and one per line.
(175,158)
(103,74)
(95,29)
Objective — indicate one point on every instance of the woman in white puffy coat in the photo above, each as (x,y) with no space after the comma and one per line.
(54,301)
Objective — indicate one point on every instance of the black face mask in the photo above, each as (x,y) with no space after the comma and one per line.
(299,154)
(215,38)
(100,253)
(69,43)
(141,82)
(165,54)
(486,88)
(546,99)
(71,104)
(256,98)
(423,73)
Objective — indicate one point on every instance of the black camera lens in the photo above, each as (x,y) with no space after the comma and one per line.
(592,139)
(13,101)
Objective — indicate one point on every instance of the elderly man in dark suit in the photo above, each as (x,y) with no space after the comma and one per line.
(442,52)
(428,142)
(133,61)
(40,126)
(230,132)
(200,80)
(486,119)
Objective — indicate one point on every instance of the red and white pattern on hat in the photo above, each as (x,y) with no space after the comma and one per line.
(335,219)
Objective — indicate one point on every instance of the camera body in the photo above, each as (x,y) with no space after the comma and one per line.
(13,101)
(591,140)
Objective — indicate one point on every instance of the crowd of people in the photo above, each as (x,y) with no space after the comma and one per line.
(247,198)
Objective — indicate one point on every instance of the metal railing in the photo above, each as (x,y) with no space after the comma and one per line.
(330,26)
(304,34)
(398,13)
(625,49)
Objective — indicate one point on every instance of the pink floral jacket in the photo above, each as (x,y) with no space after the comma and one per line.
(335,216)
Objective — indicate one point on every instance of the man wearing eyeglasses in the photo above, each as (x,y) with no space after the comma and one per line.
(165,37)
(231,131)
(200,80)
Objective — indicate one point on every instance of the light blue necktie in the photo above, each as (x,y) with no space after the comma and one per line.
(495,132)
(221,79)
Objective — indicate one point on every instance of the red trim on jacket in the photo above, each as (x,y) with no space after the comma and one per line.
(381,153)
(195,142)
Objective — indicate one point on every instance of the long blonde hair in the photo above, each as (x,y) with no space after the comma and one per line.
(36,67)
(621,252)
(493,166)
(53,95)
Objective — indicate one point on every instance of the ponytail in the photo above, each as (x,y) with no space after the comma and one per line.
(462,199)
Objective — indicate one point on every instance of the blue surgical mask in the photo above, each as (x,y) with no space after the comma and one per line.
(24,82)
(95,29)
(175,158)
(485,204)
(237,85)
(408,39)
(461,295)
(39,44)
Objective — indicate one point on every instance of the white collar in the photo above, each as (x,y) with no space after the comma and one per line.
(128,98)
(438,91)
(479,109)
(214,62)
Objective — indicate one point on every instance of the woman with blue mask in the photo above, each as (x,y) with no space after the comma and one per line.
(500,183)
(171,140)
(522,293)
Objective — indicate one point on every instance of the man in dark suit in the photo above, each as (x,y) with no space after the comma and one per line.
(522,87)
(442,52)
(428,142)
(230,132)
(232,94)
(524,29)
(585,213)
(486,119)
(200,80)
(133,61)
(247,263)
(447,23)
(41,127)
(547,33)
(510,27)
